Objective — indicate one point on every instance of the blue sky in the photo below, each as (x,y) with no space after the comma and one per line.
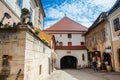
(82,11)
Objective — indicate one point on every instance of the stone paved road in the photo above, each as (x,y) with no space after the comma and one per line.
(83,74)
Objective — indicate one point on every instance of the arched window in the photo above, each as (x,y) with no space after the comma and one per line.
(60,43)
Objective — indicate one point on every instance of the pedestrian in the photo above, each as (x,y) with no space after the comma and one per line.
(94,61)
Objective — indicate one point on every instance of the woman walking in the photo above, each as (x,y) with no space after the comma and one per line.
(94,61)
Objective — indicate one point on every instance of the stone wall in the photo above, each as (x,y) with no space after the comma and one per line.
(37,58)
(12,44)
(22,49)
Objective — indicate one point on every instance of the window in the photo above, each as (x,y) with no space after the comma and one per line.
(48,65)
(116,24)
(83,57)
(60,43)
(39,14)
(82,43)
(90,42)
(43,49)
(31,14)
(103,35)
(95,39)
(69,43)
(69,35)
(40,69)
(20,3)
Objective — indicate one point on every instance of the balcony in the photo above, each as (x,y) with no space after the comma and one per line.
(70,48)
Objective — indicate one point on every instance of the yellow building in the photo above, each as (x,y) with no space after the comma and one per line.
(96,41)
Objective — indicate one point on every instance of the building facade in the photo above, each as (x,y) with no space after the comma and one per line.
(97,41)
(23,53)
(13,8)
(114,33)
(70,44)
(103,38)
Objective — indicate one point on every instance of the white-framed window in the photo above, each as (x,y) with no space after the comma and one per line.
(116,24)
(31,14)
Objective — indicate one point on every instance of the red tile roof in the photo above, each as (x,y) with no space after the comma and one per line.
(68,25)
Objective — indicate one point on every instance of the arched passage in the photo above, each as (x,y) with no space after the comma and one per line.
(68,62)
(107,58)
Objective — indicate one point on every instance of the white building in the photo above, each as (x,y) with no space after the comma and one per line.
(13,7)
(70,43)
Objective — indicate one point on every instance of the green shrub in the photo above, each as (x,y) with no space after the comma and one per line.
(7,25)
(36,32)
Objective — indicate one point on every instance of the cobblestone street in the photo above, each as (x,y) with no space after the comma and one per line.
(83,74)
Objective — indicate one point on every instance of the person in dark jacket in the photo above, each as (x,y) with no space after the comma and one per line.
(94,61)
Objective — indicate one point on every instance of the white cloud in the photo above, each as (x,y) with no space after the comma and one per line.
(54,13)
(82,12)
(104,3)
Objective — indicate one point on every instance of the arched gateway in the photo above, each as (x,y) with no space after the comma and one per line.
(68,62)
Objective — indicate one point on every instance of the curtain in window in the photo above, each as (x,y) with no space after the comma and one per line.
(20,3)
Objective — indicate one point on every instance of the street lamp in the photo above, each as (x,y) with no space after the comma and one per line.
(5,15)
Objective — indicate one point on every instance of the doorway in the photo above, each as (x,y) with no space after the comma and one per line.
(107,58)
(69,62)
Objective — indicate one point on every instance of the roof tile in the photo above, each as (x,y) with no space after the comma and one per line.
(68,25)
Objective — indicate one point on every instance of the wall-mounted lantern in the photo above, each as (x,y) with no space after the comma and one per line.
(5,15)
(108,49)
